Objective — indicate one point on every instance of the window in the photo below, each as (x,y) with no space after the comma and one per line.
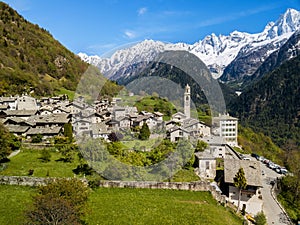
(207,165)
(180,133)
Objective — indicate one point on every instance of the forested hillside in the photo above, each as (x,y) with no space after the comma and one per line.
(30,56)
(272,104)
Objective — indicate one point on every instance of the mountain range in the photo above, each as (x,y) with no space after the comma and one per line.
(234,57)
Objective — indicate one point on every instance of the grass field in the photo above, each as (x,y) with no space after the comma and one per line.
(29,159)
(14,200)
(63,91)
(129,206)
(146,206)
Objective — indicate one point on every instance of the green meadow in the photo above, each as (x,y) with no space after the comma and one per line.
(129,206)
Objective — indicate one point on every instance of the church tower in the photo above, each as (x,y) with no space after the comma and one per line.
(187,101)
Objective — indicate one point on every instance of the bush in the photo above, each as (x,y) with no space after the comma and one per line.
(59,202)
(30,172)
(260,219)
(45,155)
(37,138)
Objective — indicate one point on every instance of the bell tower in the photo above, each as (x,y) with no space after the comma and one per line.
(187,101)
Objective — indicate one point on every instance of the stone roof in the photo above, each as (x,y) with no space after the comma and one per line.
(214,140)
(8,99)
(175,128)
(204,155)
(99,128)
(17,128)
(158,113)
(17,120)
(61,118)
(4,107)
(44,131)
(251,168)
(180,114)
(20,112)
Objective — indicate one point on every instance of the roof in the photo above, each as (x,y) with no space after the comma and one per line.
(17,128)
(189,122)
(175,128)
(8,99)
(99,128)
(214,140)
(158,113)
(53,118)
(44,130)
(20,112)
(182,115)
(252,171)
(205,155)
(224,117)
(4,107)
(17,120)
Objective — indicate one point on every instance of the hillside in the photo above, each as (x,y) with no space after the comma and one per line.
(272,104)
(30,56)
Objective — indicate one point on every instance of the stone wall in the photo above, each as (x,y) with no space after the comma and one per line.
(24,181)
(28,181)
(187,186)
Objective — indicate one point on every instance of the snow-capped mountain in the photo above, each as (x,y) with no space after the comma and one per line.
(222,54)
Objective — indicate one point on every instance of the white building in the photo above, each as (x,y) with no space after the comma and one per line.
(227,127)
(26,103)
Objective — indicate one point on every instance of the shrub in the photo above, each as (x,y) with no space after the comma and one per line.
(260,219)
(37,138)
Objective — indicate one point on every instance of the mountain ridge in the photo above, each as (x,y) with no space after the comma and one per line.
(217,52)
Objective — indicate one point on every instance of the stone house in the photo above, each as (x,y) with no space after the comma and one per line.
(206,164)
(251,196)
(175,133)
(99,130)
(81,126)
(195,127)
(10,102)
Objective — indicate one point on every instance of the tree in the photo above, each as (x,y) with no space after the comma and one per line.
(50,210)
(37,138)
(68,131)
(144,132)
(5,147)
(59,202)
(114,137)
(45,155)
(201,146)
(241,183)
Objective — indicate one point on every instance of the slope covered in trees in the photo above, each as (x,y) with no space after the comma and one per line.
(272,104)
(30,56)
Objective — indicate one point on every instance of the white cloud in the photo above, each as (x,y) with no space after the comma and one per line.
(130,34)
(142,11)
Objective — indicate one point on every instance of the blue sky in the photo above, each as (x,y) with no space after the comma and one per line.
(98,26)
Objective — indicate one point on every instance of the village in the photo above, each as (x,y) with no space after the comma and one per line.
(27,117)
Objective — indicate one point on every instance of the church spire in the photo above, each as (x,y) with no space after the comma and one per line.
(187,101)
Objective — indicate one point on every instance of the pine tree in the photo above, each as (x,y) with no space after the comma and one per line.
(241,183)
(144,132)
